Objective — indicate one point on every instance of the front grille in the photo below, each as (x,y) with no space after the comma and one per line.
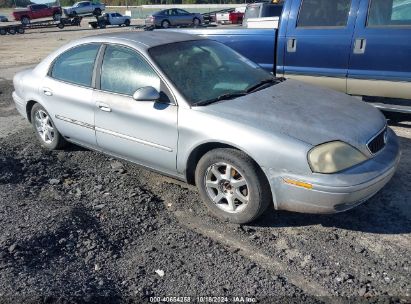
(378,142)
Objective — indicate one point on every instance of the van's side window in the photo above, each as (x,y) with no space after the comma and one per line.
(389,13)
(324,13)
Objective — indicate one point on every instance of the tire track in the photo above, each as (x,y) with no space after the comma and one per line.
(249,251)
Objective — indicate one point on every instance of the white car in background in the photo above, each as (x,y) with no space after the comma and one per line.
(224,18)
(112,18)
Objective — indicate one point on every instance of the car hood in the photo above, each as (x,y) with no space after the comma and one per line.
(305,112)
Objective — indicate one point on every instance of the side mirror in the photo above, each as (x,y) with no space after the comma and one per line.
(146,94)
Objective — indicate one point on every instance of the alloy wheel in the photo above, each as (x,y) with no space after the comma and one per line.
(44,126)
(227,187)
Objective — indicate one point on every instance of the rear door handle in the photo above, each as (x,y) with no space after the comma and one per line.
(47,92)
(291,45)
(103,107)
(359,45)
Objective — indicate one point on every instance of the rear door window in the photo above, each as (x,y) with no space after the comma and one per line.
(389,13)
(39,7)
(324,13)
(182,12)
(76,65)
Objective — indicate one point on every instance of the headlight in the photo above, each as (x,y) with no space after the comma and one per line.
(333,157)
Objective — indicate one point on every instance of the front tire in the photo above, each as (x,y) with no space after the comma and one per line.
(56,16)
(232,185)
(45,130)
(127,22)
(196,22)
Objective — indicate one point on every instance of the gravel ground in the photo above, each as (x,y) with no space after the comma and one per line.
(78,226)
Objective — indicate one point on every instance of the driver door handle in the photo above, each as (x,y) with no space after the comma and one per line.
(103,107)
(359,45)
(291,45)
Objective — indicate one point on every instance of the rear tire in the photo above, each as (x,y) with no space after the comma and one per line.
(240,195)
(165,24)
(46,131)
(3,31)
(12,31)
(25,20)
(20,30)
(60,25)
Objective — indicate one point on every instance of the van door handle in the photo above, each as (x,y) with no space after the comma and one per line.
(103,107)
(47,92)
(291,45)
(359,45)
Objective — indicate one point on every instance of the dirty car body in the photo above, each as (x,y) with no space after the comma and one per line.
(310,149)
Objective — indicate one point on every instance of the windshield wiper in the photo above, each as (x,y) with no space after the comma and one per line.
(221,97)
(261,84)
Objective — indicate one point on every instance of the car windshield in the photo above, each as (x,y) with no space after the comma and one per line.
(205,71)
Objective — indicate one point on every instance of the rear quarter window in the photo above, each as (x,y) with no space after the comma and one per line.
(76,65)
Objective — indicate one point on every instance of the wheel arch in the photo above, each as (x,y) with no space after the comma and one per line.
(30,104)
(165,20)
(199,151)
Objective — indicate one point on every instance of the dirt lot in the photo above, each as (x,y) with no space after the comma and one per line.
(77,226)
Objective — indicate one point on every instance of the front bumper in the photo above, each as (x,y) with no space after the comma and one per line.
(338,192)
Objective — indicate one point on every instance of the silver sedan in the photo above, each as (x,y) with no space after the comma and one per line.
(194,109)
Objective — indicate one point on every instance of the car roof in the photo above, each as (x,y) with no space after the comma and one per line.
(145,40)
